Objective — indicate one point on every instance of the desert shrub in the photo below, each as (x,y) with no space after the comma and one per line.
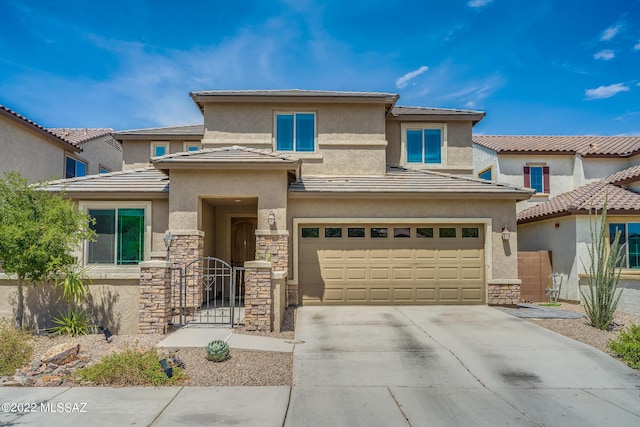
(75,322)
(627,345)
(130,368)
(15,348)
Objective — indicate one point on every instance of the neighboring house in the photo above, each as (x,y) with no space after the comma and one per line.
(552,165)
(39,153)
(571,174)
(345,197)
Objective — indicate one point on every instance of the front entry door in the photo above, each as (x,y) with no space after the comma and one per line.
(243,240)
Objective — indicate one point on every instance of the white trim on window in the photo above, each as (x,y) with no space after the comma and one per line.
(155,144)
(404,127)
(191,144)
(485,170)
(85,205)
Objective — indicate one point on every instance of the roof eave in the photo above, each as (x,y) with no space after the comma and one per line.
(474,118)
(203,165)
(406,194)
(41,131)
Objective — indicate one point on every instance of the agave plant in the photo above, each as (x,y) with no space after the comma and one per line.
(217,351)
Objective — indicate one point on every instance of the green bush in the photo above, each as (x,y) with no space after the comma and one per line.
(74,323)
(130,368)
(627,345)
(15,348)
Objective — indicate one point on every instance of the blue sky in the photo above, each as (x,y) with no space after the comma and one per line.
(536,67)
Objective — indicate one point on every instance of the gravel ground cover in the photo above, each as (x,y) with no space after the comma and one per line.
(255,368)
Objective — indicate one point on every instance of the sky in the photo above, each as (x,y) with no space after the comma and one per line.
(545,67)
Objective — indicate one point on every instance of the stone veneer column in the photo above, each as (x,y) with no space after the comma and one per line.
(503,291)
(276,243)
(258,300)
(155,297)
(187,246)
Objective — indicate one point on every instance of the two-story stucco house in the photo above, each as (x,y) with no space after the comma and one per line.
(571,175)
(344,197)
(39,153)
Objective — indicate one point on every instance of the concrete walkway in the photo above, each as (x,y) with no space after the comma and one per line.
(380,366)
(201,336)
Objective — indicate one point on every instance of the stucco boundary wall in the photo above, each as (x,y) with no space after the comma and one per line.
(630,298)
(110,302)
(503,291)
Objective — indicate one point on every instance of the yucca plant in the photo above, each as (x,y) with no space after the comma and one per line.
(75,322)
(71,280)
(602,296)
(217,351)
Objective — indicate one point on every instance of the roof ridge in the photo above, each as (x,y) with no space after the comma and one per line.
(32,123)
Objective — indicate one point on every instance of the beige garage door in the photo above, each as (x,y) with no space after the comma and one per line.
(391,264)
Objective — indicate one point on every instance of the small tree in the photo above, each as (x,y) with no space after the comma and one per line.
(602,297)
(38,233)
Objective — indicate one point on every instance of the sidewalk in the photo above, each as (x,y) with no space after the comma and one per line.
(201,336)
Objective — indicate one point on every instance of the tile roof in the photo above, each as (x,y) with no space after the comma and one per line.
(80,135)
(144,180)
(169,131)
(295,92)
(31,123)
(403,181)
(231,155)
(399,110)
(590,196)
(615,146)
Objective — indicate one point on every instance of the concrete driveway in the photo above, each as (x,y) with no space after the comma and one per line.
(455,366)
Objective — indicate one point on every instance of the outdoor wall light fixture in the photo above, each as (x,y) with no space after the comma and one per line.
(168,239)
(271,219)
(505,233)
(107,333)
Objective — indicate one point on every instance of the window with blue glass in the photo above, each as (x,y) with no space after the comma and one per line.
(159,149)
(537,177)
(74,168)
(485,174)
(630,239)
(295,132)
(424,145)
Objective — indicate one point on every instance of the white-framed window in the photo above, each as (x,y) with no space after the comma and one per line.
(160,148)
(630,241)
(295,131)
(74,167)
(123,233)
(191,146)
(486,174)
(104,169)
(424,143)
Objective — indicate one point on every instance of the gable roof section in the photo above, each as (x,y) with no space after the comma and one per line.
(80,135)
(131,182)
(53,137)
(400,181)
(425,113)
(588,146)
(225,157)
(185,132)
(619,200)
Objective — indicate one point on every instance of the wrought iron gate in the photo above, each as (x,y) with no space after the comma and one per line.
(211,292)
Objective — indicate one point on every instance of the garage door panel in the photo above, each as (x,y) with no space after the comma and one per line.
(391,270)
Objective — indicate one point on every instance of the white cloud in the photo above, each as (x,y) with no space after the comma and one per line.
(404,80)
(605,55)
(610,32)
(478,3)
(637,46)
(603,92)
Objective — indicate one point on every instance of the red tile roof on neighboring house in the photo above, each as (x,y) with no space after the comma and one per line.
(63,141)
(80,135)
(605,146)
(590,196)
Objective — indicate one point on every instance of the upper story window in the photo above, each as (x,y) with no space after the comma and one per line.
(104,169)
(159,149)
(630,239)
(537,177)
(74,168)
(425,143)
(188,146)
(295,132)
(486,174)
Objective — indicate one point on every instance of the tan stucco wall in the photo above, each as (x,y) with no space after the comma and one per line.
(29,153)
(459,151)
(102,151)
(136,153)
(189,188)
(504,263)
(224,214)
(112,303)
(159,224)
